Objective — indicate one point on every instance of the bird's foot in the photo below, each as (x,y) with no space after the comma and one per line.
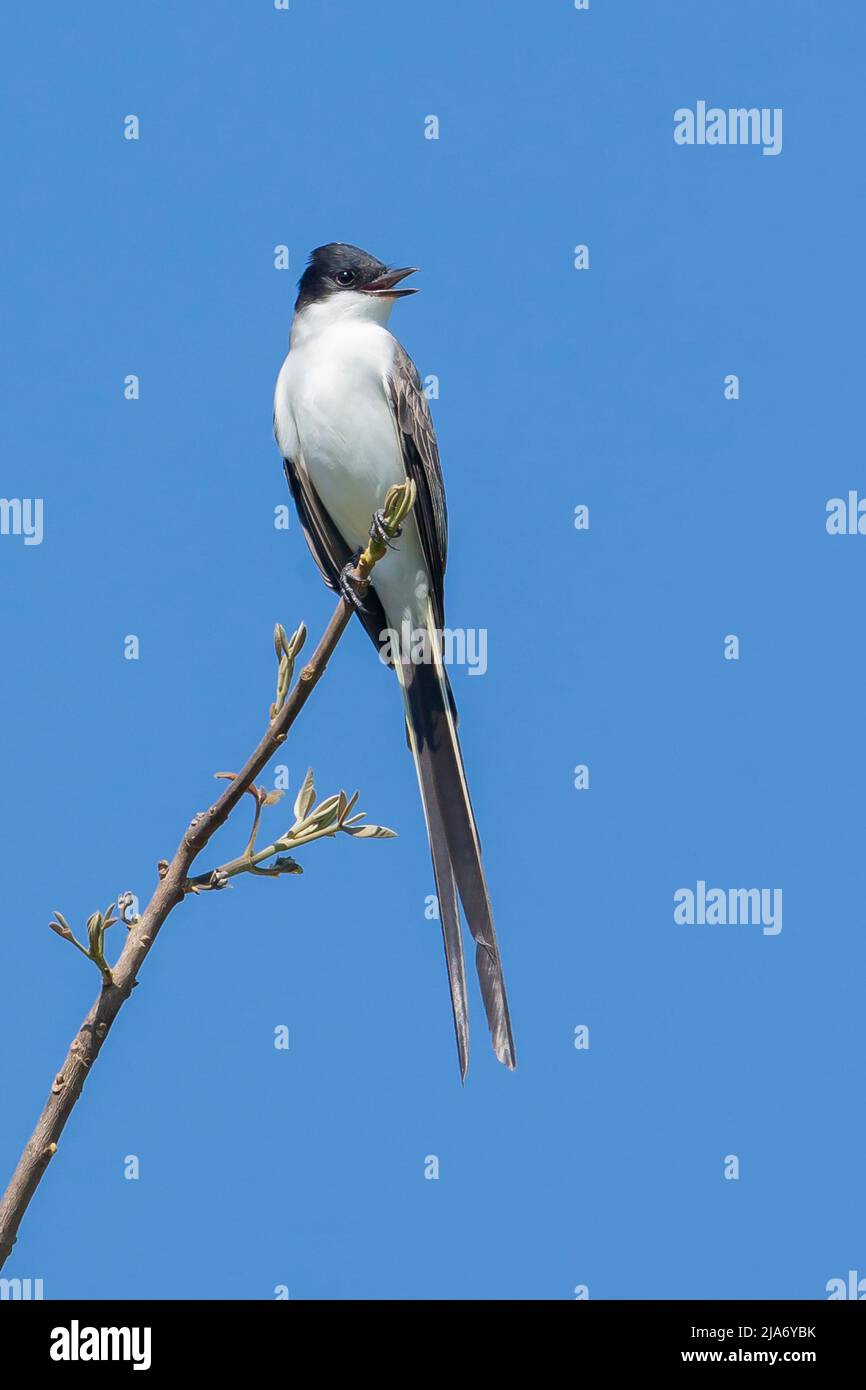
(379,532)
(351,586)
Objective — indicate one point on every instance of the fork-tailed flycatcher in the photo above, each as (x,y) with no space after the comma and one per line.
(351,421)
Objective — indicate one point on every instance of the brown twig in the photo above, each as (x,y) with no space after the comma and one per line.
(172,889)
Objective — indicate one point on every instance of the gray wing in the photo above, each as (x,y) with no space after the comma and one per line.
(328,548)
(421,459)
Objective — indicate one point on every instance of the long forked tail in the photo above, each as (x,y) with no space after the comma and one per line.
(456,852)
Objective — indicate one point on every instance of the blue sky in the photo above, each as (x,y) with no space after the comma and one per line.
(601,1167)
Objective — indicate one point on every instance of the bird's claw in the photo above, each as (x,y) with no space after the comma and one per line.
(350,585)
(379,531)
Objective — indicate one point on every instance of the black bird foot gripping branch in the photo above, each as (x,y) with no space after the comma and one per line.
(335,815)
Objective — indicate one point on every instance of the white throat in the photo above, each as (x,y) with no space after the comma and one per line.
(340,308)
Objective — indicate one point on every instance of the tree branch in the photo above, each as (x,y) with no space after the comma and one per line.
(120,980)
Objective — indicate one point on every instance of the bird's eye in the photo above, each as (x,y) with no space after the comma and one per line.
(344,277)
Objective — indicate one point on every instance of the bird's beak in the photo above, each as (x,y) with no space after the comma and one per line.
(383,286)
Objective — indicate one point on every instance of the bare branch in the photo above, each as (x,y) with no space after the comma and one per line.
(174,882)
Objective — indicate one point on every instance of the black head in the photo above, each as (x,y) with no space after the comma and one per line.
(338,268)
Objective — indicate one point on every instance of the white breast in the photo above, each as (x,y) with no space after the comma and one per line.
(334,420)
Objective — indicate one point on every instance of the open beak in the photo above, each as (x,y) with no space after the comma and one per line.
(383,286)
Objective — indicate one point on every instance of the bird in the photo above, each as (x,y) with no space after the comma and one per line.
(352,420)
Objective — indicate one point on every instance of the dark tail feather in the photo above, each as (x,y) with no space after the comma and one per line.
(452,936)
(456,849)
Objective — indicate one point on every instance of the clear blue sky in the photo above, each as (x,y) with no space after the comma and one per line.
(601,1167)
